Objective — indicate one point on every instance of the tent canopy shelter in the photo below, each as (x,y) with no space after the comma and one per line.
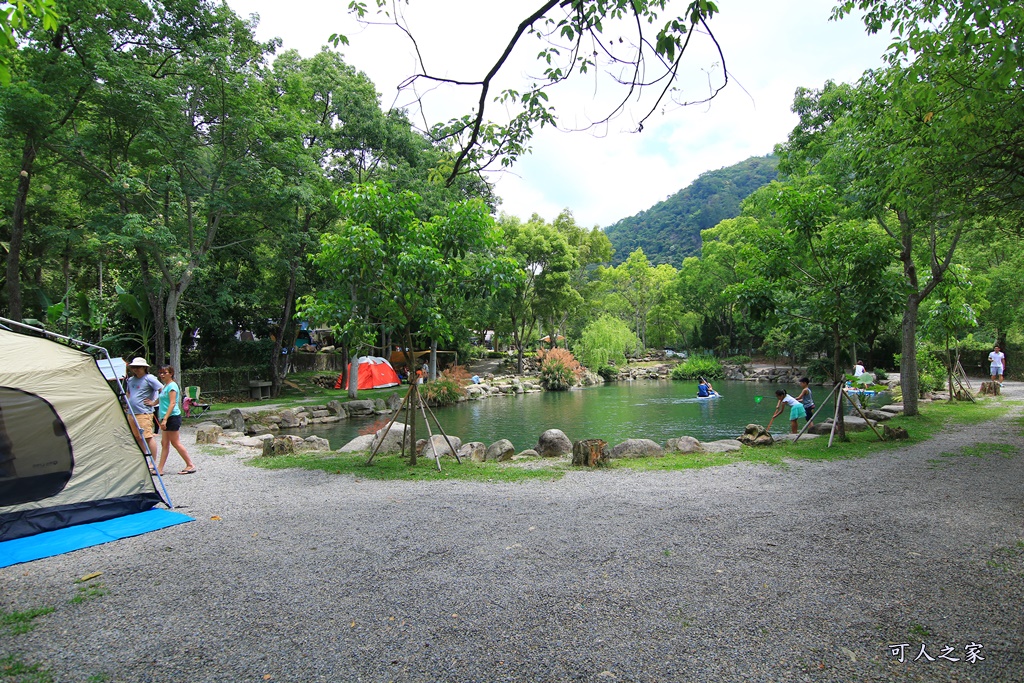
(67,454)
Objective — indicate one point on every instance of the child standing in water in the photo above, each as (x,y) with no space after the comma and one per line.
(796,410)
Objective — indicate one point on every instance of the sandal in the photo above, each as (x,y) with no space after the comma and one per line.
(191,471)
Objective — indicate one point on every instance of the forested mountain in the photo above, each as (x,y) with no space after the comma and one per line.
(670,230)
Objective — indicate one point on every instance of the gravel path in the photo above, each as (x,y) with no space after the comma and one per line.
(740,573)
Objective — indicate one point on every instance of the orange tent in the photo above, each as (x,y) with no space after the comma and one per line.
(374,373)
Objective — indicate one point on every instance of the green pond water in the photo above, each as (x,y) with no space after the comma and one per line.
(643,409)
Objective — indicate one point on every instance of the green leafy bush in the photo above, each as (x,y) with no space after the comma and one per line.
(737,360)
(931,373)
(559,369)
(820,370)
(448,388)
(608,372)
(699,366)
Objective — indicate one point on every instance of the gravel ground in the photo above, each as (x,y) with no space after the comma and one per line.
(742,573)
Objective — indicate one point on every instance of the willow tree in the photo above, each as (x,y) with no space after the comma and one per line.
(383,263)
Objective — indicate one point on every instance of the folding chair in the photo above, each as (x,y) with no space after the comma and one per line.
(191,404)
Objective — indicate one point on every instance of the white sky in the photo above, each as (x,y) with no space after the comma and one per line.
(770,48)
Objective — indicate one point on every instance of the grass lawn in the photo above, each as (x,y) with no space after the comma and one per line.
(299,389)
(933,418)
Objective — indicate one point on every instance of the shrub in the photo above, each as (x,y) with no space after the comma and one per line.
(608,372)
(448,388)
(931,373)
(699,366)
(820,370)
(737,360)
(559,369)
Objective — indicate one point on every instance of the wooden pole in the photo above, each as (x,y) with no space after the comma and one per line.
(808,424)
(835,420)
(388,429)
(863,416)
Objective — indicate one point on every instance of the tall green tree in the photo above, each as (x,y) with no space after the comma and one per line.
(543,286)
(823,269)
(385,262)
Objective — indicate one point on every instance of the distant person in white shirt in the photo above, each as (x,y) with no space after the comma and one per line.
(858,369)
(997,359)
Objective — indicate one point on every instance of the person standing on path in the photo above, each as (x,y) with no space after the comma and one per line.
(143,390)
(997,361)
(169,413)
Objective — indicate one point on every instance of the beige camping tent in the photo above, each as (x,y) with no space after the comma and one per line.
(67,455)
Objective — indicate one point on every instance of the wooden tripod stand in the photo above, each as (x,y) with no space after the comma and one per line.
(410,402)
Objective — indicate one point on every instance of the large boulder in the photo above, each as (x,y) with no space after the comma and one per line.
(637,448)
(439,445)
(500,451)
(316,443)
(722,446)
(851,424)
(474,451)
(553,443)
(391,438)
(237,420)
(360,443)
(359,408)
(336,408)
(756,435)
(792,437)
(288,418)
(684,444)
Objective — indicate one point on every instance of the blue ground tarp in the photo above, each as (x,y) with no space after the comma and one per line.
(81,536)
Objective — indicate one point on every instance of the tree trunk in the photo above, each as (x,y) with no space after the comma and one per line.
(15,308)
(174,330)
(414,396)
(275,358)
(353,376)
(433,360)
(908,360)
(838,374)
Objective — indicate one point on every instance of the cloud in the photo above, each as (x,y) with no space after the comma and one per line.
(770,49)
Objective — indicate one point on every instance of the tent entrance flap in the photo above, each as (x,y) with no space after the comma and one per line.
(35,451)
